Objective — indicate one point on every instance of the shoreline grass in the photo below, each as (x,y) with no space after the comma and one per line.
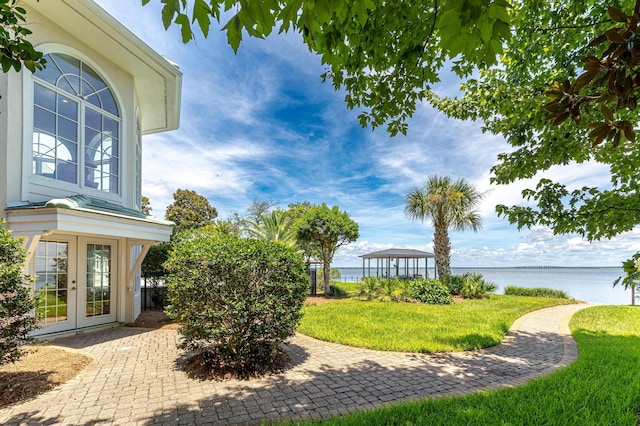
(602,387)
(413,327)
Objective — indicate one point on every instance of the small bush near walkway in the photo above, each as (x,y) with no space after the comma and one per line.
(430,291)
(535,292)
(236,299)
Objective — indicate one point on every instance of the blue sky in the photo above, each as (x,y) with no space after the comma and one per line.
(261,125)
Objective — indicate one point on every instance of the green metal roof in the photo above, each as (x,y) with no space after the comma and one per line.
(94,205)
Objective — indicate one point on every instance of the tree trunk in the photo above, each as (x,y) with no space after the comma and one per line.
(326,268)
(442,251)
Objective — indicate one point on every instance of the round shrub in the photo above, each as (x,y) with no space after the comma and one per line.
(431,291)
(236,299)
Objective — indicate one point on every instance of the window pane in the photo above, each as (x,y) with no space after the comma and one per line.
(44,120)
(110,126)
(67,172)
(68,64)
(50,73)
(69,83)
(92,78)
(108,103)
(91,138)
(67,129)
(94,99)
(67,107)
(92,119)
(44,97)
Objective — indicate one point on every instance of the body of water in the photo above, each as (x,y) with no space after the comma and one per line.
(586,284)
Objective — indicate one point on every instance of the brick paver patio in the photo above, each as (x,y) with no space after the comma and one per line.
(135,380)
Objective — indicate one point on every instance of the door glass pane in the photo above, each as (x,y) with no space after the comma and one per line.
(52,280)
(98,280)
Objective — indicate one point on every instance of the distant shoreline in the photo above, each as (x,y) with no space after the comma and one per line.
(508,267)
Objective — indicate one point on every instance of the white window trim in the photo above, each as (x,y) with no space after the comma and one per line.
(34,184)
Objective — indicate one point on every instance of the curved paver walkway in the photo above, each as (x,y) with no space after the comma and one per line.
(135,381)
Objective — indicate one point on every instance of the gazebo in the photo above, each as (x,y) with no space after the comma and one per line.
(406,263)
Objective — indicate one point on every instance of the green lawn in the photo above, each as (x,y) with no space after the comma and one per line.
(601,388)
(412,327)
(349,287)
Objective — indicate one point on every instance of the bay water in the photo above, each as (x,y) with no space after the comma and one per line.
(586,284)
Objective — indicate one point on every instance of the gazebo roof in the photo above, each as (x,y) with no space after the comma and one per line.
(397,252)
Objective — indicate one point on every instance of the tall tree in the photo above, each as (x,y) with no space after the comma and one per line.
(277,226)
(327,229)
(448,205)
(190,210)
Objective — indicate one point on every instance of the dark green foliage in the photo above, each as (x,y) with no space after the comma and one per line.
(236,299)
(324,229)
(430,291)
(454,283)
(535,292)
(190,210)
(337,291)
(153,263)
(475,286)
(15,49)
(17,301)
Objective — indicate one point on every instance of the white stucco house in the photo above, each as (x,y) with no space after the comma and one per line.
(70,161)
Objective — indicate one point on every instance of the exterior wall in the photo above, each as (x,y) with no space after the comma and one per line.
(49,37)
(81,29)
(4,158)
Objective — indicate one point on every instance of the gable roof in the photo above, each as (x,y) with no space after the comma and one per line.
(158,81)
(397,252)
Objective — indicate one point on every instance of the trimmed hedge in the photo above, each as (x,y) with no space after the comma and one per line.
(236,299)
(535,292)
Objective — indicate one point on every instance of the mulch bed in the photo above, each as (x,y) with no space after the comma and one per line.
(41,369)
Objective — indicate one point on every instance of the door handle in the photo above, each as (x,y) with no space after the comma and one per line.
(73,288)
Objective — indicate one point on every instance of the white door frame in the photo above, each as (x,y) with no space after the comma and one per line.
(72,294)
(83,319)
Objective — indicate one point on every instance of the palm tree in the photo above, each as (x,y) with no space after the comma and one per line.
(277,226)
(449,205)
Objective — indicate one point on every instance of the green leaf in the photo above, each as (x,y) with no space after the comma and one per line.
(201,14)
(234,32)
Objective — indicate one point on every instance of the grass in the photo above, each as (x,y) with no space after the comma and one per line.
(468,325)
(348,287)
(601,388)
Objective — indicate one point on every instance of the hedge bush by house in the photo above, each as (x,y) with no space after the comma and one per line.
(236,299)
(17,301)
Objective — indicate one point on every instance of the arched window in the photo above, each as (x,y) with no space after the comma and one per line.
(76,125)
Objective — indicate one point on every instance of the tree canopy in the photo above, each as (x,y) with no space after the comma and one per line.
(516,58)
(550,40)
(327,229)
(384,54)
(190,210)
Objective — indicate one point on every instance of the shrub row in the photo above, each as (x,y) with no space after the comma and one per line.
(537,292)
(426,290)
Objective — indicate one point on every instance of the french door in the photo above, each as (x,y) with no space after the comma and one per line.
(77,279)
